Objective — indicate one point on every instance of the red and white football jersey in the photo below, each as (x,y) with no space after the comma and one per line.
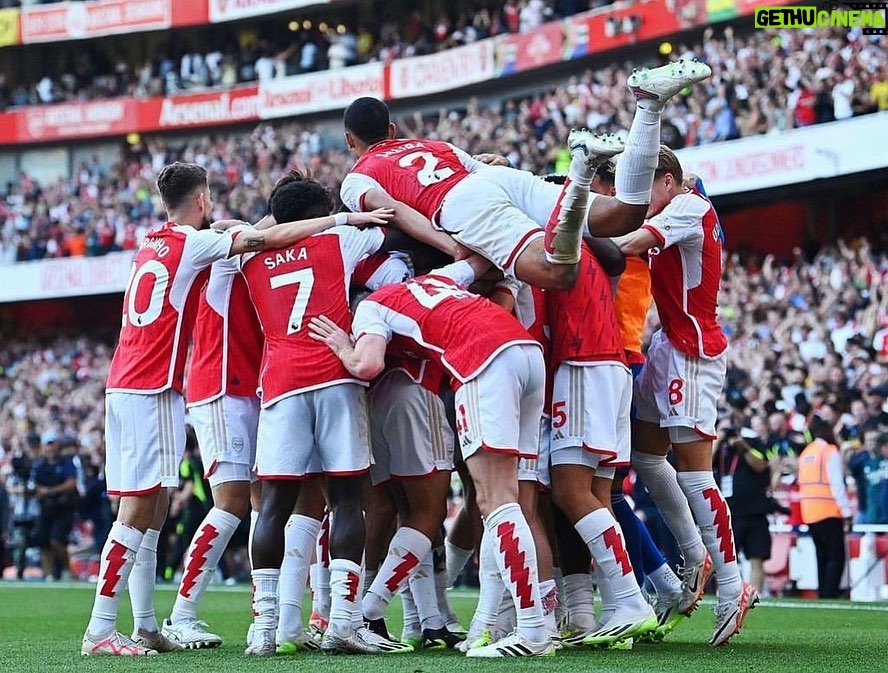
(419,173)
(227,340)
(685,273)
(583,319)
(433,317)
(291,286)
(530,310)
(380,268)
(160,305)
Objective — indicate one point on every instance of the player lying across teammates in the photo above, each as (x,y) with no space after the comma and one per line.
(536,380)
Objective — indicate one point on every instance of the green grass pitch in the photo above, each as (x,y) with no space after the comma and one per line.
(41,627)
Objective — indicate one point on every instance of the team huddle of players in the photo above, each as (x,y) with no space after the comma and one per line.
(517,342)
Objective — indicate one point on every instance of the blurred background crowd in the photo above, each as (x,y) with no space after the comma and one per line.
(764,82)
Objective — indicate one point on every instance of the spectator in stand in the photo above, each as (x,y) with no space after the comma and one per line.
(803,105)
(875,477)
(55,481)
(879,88)
(857,455)
(512,16)
(532,15)
(5,523)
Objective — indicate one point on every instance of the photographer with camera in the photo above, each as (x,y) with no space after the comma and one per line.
(742,464)
(22,501)
(55,482)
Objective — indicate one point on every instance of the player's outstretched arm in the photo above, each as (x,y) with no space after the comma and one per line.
(491,159)
(285,235)
(636,243)
(364,359)
(413,223)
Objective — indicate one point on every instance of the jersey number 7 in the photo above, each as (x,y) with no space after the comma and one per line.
(304,278)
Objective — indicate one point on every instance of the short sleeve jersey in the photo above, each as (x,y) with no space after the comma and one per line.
(227,340)
(291,286)
(419,173)
(583,319)
(685,274)
(433,317)
(380,268)
(160,305)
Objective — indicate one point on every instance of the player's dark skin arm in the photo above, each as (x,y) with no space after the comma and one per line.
(608,254)
(413,223)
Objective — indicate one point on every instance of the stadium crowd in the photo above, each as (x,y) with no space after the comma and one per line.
(259,51)
(764,82)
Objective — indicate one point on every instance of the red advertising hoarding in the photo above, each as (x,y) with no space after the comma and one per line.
(119,116)
(527,51)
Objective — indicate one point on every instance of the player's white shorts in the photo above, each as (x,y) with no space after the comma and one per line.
(499,410)
(537,469)
(409,431)
(591,404)
(144,441)
(498,212)
(226,433)
(679,391)
(324,431)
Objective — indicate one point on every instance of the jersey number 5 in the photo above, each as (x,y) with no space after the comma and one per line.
(305,279)
(429,174)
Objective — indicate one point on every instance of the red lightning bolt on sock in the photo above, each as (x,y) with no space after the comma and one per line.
(519,573)
(408,562)
(614,541)
(116,560)
(200,547)
(722,522)
(351,584)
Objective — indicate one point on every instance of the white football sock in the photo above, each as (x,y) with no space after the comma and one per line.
(515,555)
(635,171)
(142,580)
(265,598)
(457,557)
(602,535)
(422,586)
(117,560)
(712,514)
(662,482)
(300,534)
(201,560)
(345,587)
(406,551)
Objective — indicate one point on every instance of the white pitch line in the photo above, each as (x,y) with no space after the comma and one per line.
(799,604)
